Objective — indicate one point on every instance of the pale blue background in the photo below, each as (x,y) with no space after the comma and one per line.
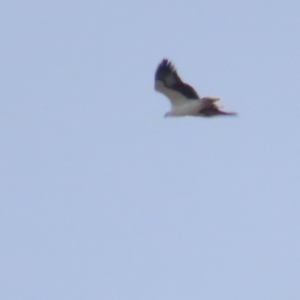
(103,198)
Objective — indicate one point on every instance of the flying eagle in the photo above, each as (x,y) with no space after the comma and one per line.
(184,99)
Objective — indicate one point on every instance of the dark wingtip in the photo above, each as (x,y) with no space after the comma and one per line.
(165,61)
(164,67)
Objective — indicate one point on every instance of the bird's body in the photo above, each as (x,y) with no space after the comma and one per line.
(184,99)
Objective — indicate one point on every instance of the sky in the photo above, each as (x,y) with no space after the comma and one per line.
(102,197)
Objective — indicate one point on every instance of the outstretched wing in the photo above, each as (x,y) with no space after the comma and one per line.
(168,82)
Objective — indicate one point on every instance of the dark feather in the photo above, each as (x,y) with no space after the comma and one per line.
(167,74)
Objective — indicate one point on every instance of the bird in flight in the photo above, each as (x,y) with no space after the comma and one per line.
(184,99)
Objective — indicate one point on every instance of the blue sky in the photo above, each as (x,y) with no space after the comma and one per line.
(103,198)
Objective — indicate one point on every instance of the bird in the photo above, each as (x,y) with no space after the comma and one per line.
(184,99)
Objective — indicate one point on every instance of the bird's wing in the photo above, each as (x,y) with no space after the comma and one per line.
(168,82)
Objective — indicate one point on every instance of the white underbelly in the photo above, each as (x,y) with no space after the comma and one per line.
(189,109)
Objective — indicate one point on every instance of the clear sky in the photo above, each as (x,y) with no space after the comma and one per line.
(103,198)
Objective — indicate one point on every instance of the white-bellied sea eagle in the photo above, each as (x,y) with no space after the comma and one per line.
(184,99)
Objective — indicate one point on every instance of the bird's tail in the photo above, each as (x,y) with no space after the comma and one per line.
(224,113)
